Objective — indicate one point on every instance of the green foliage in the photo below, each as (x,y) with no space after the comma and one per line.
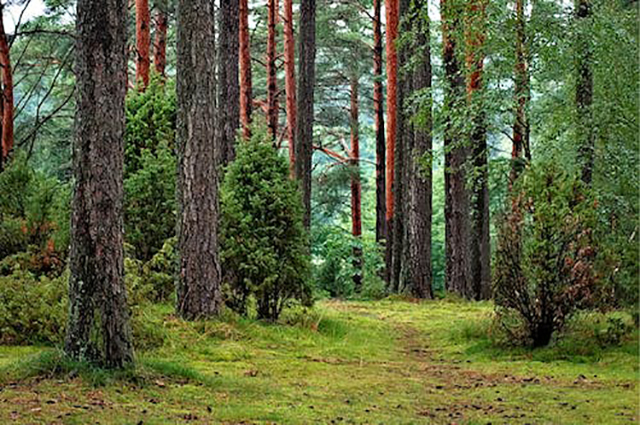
(544,268)
(263,241)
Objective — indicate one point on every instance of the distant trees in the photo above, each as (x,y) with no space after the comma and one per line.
(378,106)
(160,41)
(584,89)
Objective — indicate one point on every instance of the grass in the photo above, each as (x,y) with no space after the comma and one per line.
(384,362)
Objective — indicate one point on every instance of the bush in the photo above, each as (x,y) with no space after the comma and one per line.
(263,241)
(545,253)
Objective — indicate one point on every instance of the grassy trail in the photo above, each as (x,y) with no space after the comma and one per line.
(387,362)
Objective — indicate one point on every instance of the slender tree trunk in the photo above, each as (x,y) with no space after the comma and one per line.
(272,81)
(160,42)
(378,107)
(457,264)
(419,164)
(391,12)
(228,85)
(246,97)
(290,81)
(7,93)
(584,89)
(356,187)
(199,273)
(521,148)
(143,43)
(306,85)
(97,294)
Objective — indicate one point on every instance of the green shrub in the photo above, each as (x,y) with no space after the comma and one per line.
(263,241)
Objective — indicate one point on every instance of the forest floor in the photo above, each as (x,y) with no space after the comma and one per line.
(385,362)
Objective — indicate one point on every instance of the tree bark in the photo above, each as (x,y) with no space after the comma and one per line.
(584,90)
(480,246)
(356,187)
(521,147)
(97,294)
(457,266)
(272,81)
(391,12)
(228,85)
(378,108)
(160,42)
(143,43)
(419,164)
(199,275)
(306,85)
(290,82)
(246,97)
(7,94)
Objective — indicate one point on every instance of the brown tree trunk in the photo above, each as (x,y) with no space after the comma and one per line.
(521,148)
(457,266)
(272,81)
(356,187)
(246,96)
(378,108)
(7,93)
(480,246)
(98,327)
(228,86)
(306,85)
(584,90)
(143,43)
(290,81)
(199,274)
(419,164)
(160,42)
(391,11)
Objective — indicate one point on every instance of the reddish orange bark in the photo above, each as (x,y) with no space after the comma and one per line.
(522,94)
(475,38)
(7,93)
(245,69)
(272,82)
(160,43)
(391,11)
(143,42)
(290,82)
(356,186)
(378,100)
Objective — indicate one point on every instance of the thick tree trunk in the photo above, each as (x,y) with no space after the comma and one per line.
(391,12)
(457,266)
(521,148)
(584,90)
(97,294)
(272,81)
(143,43)
(7,94)
(480,246)
(290,82)
(246,96)
(306,85)
(199,275)
(356,187)
(378,112)
(160,42)
(419,164)
(228,85)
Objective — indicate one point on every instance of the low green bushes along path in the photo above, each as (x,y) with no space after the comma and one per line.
(385,362)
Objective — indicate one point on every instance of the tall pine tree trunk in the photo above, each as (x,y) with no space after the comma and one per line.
(419,163)
(272,81)
(584,89)
(356,187)
(97,294)
(199,274)
(391,12)
(246,96)
(306,85)
(143,43)
(480,247)
(7,94)
(521,147)
(160,42)
(228,85)
(378,112)
(290,81)
(457,265)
